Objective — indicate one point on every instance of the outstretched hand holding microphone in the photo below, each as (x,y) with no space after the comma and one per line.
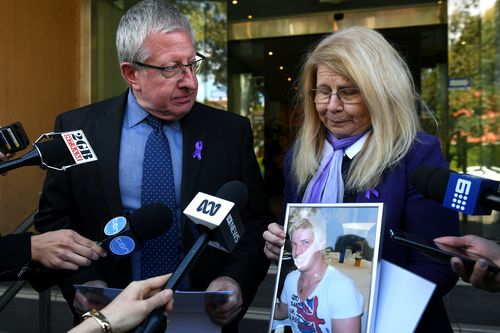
(66,249)
(479,277)
(470,195)
(130,307)
(61,249)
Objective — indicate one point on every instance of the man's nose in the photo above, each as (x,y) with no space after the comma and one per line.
(188,78)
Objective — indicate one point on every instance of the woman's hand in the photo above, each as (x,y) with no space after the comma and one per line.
(275,239)
(132,305)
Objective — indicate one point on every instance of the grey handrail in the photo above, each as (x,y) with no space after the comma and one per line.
(26,224)
(10,293)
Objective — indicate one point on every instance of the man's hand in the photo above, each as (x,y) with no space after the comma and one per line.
(64,249)
(222,314)
(82,304)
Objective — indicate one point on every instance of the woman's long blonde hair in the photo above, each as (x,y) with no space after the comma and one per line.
(365,58)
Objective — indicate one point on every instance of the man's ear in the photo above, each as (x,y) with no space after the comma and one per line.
(129,73)
(321,245)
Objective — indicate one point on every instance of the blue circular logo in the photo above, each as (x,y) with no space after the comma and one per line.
(115,225)
(122,245)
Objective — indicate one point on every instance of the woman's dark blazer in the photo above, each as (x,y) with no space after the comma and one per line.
(406,209)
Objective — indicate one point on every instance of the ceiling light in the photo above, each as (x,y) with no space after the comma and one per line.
(281,68)
(235,2)
(270,53)
(250,17)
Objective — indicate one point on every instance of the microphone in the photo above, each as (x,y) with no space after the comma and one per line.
(126,235)
(219,219)
(463,193)
(221,212)
(58,151)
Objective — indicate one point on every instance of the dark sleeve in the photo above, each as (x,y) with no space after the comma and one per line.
(429,219)
(248,264)
(289,190)
(15,256)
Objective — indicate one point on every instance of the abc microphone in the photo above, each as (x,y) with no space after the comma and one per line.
(126,235)
(219,220)
(460,192)
(58,151)
(220,213)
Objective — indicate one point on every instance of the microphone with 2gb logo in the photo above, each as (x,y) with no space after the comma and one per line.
(58,151)
(125,235)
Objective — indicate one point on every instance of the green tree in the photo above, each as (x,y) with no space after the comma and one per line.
(472,53)
(209,22)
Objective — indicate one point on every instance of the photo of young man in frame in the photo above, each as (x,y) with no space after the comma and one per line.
(325,280)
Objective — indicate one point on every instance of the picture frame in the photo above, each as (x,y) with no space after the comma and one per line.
(351,246)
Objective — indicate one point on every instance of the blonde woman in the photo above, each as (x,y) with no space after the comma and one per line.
(360,141)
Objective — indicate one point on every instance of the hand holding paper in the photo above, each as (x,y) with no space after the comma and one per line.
(189,314)
(223,313)
(82,303)
(132,305)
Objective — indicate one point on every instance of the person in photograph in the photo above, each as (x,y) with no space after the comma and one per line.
(317,297)
(360,141)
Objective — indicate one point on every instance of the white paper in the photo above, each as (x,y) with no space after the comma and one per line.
(402,298)
(188,315)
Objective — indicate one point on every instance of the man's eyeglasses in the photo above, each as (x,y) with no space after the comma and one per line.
(345,95)
(176,71)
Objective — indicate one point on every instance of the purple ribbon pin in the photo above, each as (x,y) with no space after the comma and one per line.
(198,146)
(370,192)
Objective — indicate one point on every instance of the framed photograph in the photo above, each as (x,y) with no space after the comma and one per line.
(327,276)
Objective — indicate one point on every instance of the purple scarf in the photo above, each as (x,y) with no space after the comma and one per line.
(327,185)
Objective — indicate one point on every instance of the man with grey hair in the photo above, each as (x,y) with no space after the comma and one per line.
(155,143)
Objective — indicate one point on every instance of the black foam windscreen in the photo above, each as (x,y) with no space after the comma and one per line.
(150,221)
(234,191)
(54,152)
(431,181)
